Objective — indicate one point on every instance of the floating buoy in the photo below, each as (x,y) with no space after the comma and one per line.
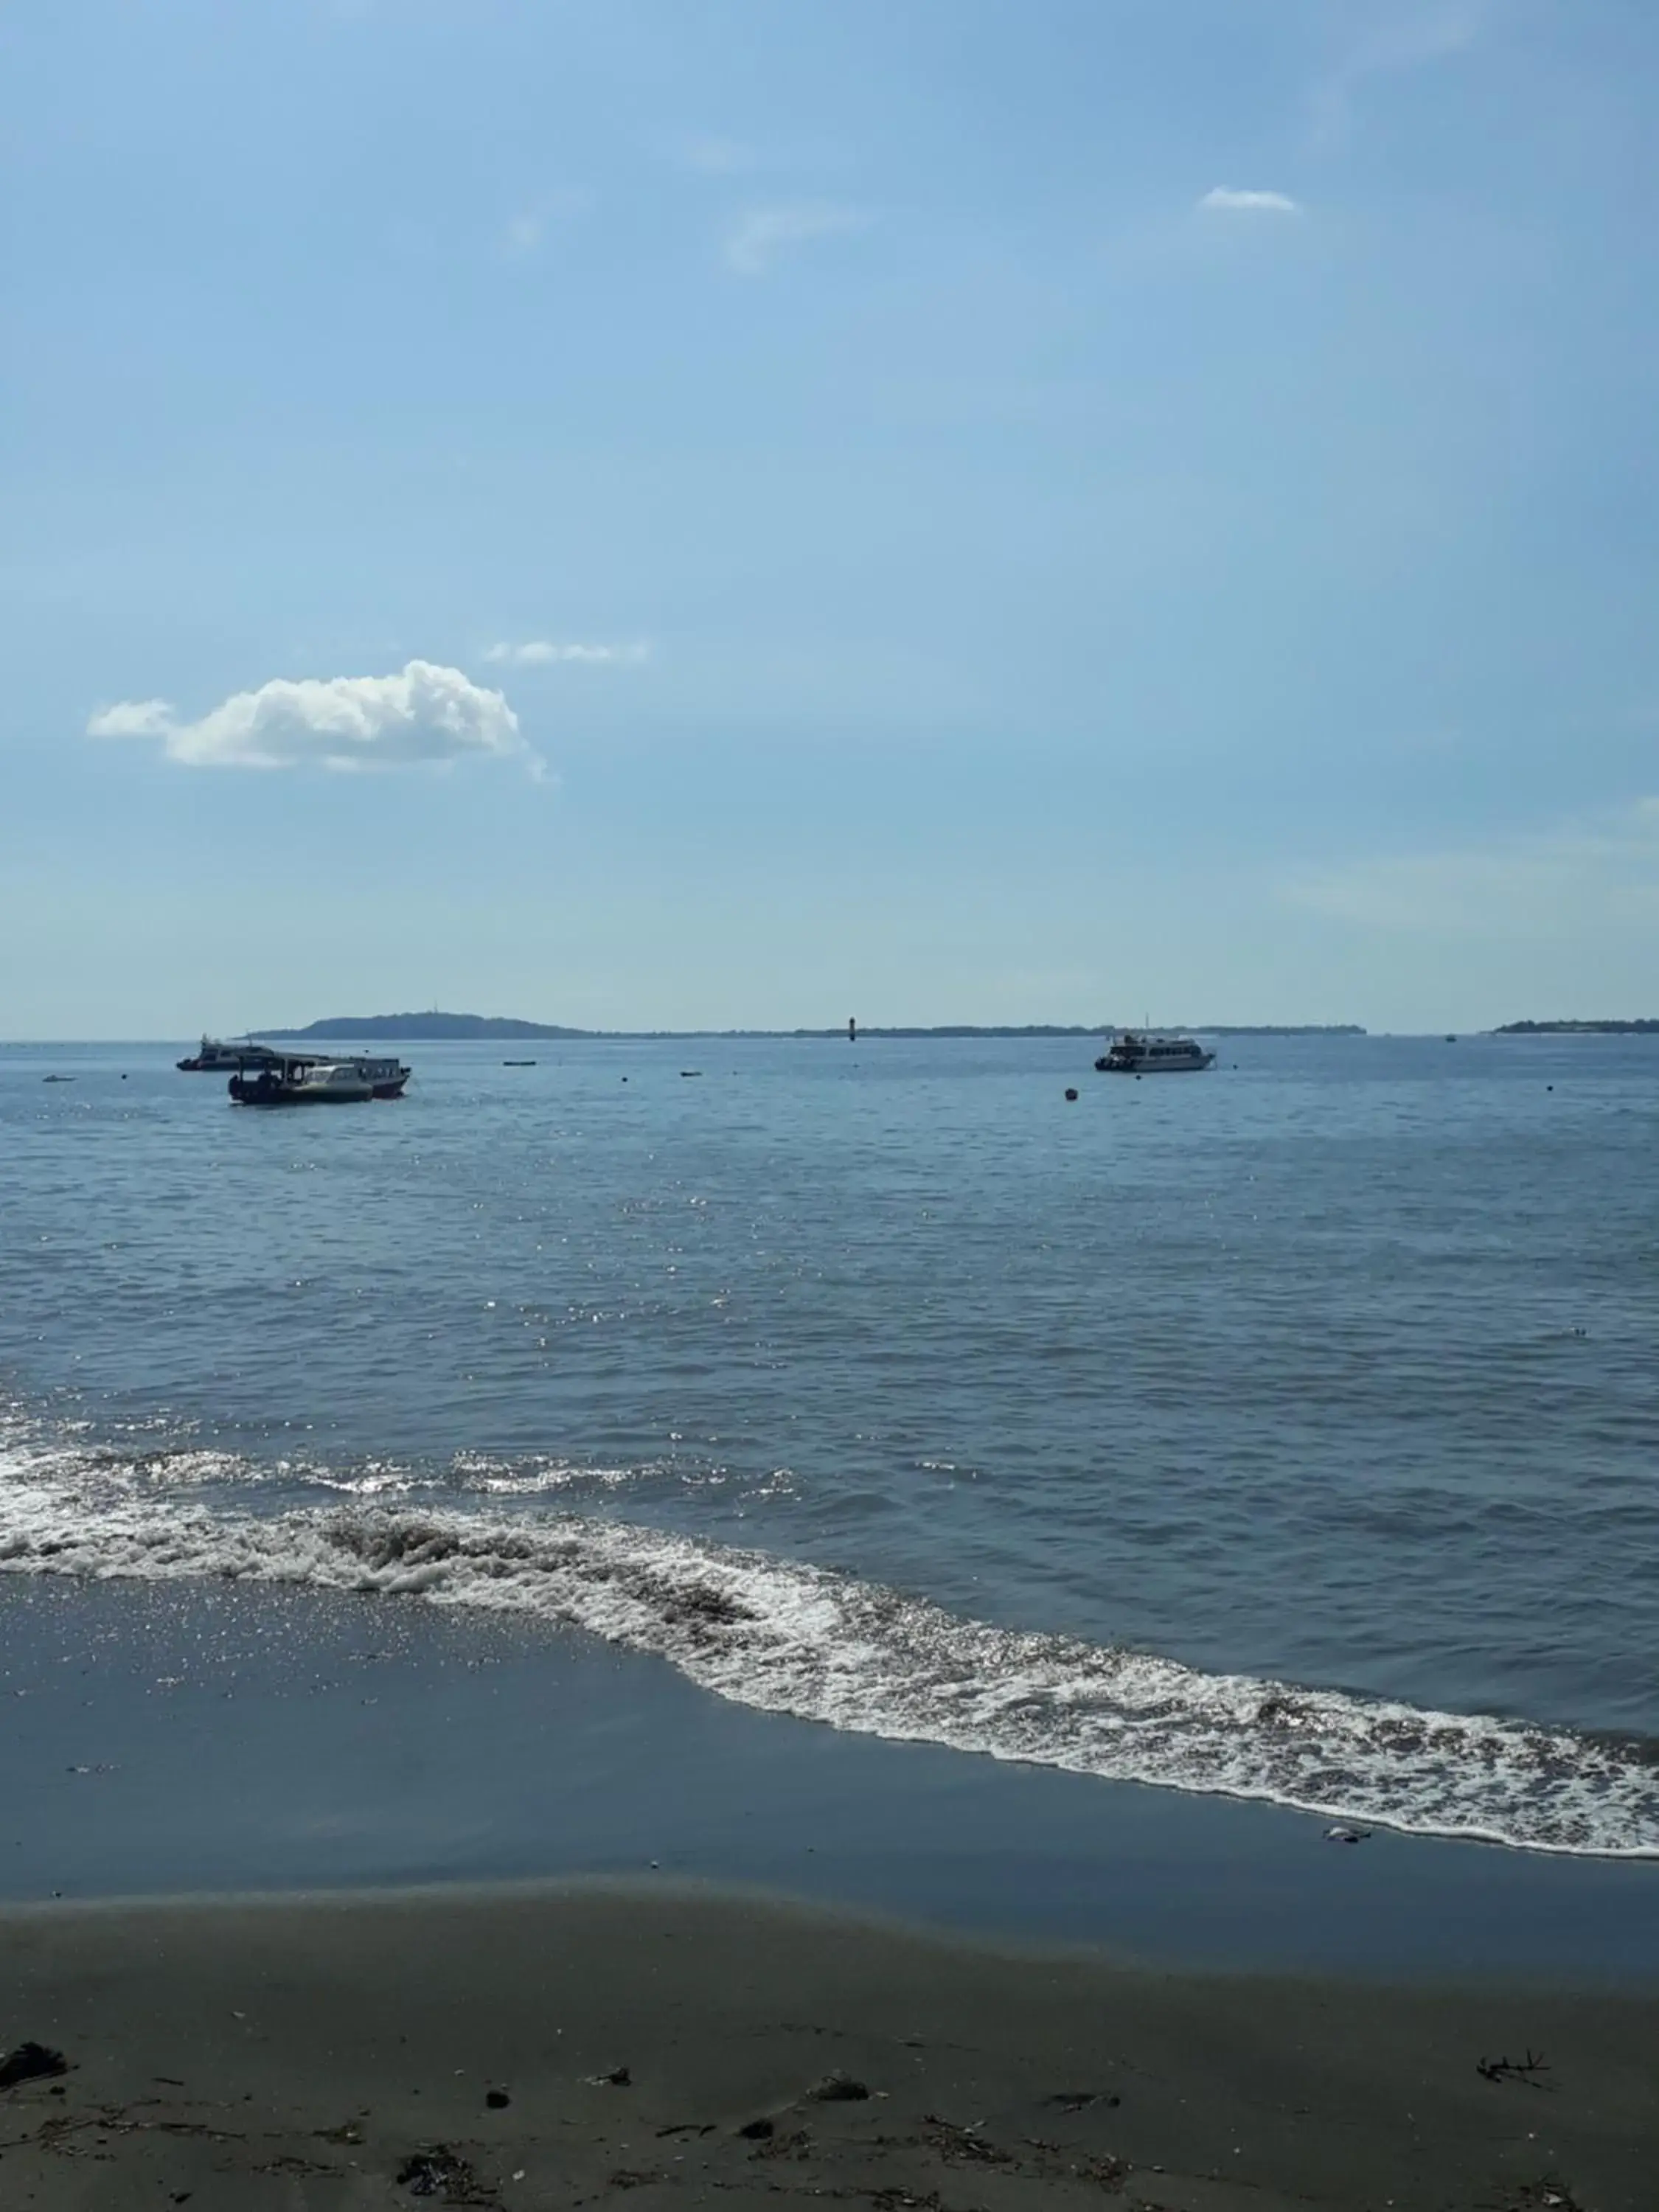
(1072,1097)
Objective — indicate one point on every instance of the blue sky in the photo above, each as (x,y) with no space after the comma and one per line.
(680,512)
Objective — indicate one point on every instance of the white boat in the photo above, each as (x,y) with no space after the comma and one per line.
(303,1079)
(216,1055)
(1135,1055)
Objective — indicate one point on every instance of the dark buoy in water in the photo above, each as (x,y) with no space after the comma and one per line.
(1072,1097)
(851,1032)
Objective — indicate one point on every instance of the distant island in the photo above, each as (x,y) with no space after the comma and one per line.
(1578,1028)
(435,1027)
(430,1028)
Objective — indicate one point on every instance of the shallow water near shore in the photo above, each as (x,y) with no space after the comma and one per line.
(200,1739)
(1283,1433)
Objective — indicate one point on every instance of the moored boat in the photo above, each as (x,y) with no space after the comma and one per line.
(1135,1054)
(304,1080)
(215,1055)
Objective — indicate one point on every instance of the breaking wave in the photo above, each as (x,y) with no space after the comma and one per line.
(794,1638)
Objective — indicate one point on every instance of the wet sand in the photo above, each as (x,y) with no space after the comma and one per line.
(598,2044)
(188,1740)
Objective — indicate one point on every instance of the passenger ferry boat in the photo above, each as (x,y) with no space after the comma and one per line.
(215,1055)
(306,1080)
(1130,1055)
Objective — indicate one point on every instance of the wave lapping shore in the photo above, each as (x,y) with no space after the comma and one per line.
(785,1637)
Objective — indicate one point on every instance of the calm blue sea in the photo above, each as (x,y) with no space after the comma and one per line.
(1287,1431)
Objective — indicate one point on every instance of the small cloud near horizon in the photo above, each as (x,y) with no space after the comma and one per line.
(1598,870)
(528,230)
(424,716)
(760,235)
(544,653)
(1223,200)
(713,156)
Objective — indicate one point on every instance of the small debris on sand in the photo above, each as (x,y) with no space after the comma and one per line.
(1529,2069)
(31,2062)
(838,2089)
(436,2172)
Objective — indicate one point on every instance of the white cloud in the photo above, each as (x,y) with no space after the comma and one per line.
(1224,201)
(1411,38)
(132,717)
(528,230)
(1600,871)
(544,653)
(760,234)
(718,157)
(426,715)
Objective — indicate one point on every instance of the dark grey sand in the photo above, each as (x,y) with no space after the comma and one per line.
(298,2052)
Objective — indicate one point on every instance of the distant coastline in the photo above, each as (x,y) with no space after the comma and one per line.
(1578,1028)
(435,1027)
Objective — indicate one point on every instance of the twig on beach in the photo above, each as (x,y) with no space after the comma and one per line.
(1527,2070)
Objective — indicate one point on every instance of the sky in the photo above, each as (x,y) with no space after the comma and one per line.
(745,513)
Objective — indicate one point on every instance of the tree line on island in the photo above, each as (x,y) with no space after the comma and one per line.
(1643,1028)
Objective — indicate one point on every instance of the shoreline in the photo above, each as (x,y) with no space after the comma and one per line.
(313,2050)
(197,1740)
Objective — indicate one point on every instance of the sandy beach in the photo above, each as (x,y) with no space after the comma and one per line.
(585,2044)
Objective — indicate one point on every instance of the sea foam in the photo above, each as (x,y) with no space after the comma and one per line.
(790,1637)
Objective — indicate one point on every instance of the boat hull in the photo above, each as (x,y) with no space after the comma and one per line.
(250,1091)
(1104,1066)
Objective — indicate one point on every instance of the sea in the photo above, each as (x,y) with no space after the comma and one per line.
(1288,1433)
